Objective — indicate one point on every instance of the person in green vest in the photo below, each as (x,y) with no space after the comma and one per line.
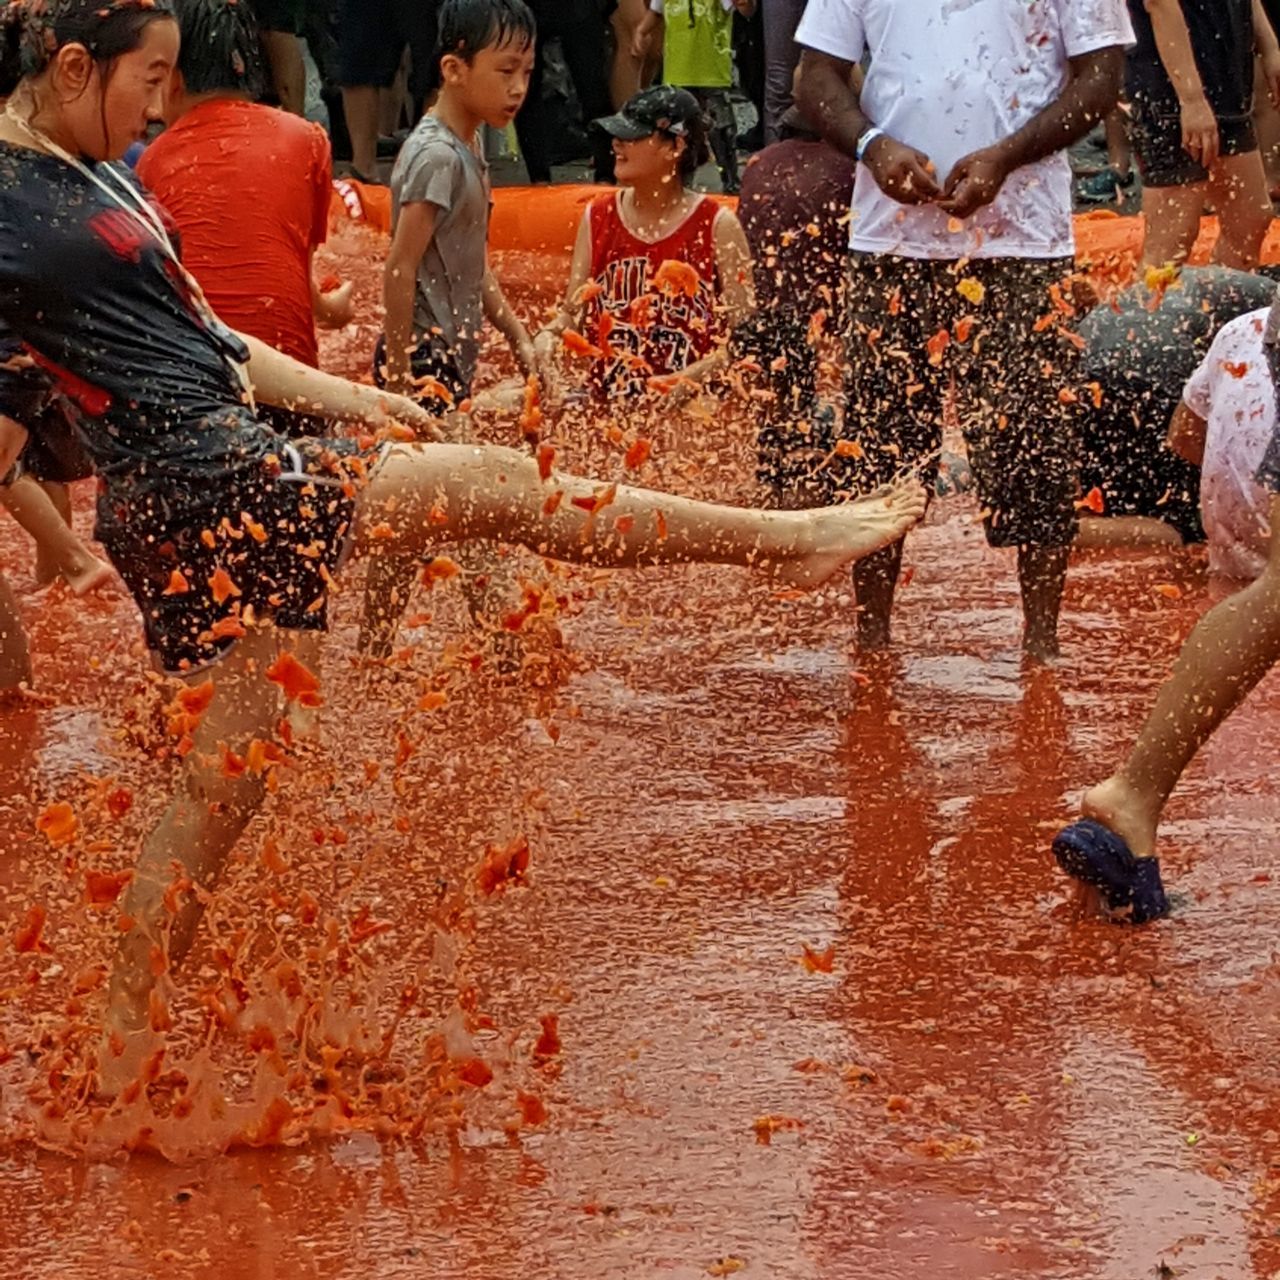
(697,54)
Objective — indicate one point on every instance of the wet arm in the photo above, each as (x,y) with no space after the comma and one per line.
(334,309)
(829,94)
(1187,432)
(737,292)
(277,379)
(504,319)
(1173,43)
(1092,90)
(827,97)
(1264,36)
(644,33)
(415,230)
(569,316)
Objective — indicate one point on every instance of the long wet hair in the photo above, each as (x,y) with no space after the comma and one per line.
(221,47)
(32,32)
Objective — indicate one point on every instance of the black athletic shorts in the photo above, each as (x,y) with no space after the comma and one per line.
(428,361)
(1156,134)
(282,15)
(372,35)
(910,331)
(277,545)
(53,452)
(1125,455)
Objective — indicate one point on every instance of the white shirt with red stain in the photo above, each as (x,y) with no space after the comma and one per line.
(949,77)
(1233,392)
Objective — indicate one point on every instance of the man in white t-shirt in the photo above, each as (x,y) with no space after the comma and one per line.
(961,230)
(1224,425)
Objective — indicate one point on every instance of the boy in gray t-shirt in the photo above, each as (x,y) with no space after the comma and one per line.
(438,288)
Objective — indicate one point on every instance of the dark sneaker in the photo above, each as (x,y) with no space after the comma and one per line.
(1104,187)
(1093,854)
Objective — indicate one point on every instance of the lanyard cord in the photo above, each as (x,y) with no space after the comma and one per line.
(137,208)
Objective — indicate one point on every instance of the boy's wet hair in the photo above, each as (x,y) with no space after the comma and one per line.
(32,31)
(468,26)
(221,47)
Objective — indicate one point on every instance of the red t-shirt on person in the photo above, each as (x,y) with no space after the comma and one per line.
(248,187)
(669,328)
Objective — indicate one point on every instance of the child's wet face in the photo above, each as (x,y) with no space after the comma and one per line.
(496,81)
(647,160)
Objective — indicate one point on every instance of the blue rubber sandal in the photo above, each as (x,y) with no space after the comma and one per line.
(1093,854)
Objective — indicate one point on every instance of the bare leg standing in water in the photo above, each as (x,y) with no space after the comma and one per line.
(15,657)
(1111,852)
(59,552)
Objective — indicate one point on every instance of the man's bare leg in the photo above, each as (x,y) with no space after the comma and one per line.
(429,493)
(875,580)
(360,106)
(1042,576)
(1232,647)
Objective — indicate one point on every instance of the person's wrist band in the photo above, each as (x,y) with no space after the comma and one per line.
(867,139)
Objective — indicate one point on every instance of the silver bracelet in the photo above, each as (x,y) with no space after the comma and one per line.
(866,140)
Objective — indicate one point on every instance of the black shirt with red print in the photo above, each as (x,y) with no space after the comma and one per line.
(100,315)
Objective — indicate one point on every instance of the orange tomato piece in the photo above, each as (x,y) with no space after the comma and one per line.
(298,681)
(58,824)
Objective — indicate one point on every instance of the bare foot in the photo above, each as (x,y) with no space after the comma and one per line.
(1041,650)
(839,535)
(1119,808)
(87,575)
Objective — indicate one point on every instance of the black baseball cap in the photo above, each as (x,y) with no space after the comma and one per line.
(662,109)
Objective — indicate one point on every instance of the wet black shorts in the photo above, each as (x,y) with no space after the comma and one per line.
(372,35)
(427,361)
(1125,455)
(910,331)
(276,545)
(53,452)
(281,15)
(1157,143)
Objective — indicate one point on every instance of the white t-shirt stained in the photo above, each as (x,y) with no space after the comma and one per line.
(949,77)
(1232,391)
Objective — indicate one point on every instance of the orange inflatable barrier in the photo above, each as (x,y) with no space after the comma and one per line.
(543,221)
